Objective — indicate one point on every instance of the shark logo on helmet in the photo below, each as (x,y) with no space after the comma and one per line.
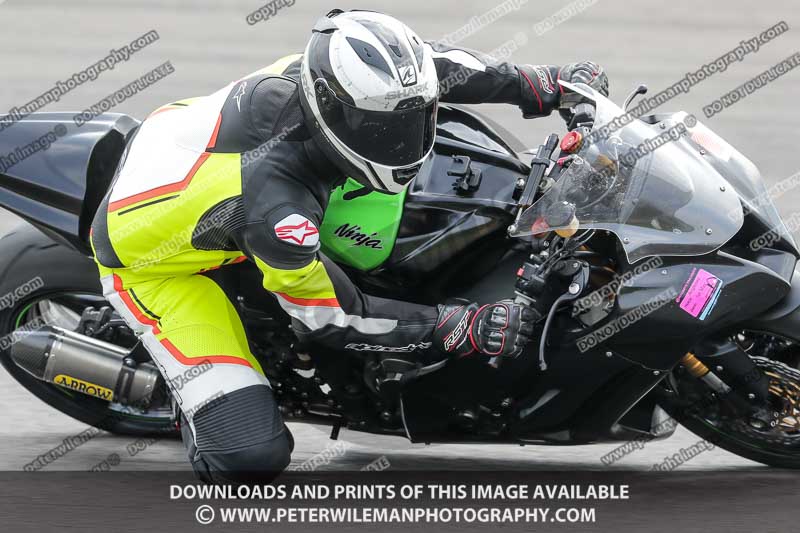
(408,75)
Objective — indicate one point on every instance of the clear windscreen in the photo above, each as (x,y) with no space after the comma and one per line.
(746,179)
(643,184)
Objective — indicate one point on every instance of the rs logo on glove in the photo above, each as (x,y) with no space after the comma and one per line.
(458,333)
(500,329)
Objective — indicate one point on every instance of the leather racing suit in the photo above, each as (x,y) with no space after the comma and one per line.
(235,176)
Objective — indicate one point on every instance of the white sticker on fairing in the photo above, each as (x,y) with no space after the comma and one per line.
(298,230)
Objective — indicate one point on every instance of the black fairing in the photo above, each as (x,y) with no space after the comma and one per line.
(783,319)
(661,337)
(593,396)
(58,189)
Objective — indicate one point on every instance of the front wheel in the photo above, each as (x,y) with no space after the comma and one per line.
(47,284)
(777,443)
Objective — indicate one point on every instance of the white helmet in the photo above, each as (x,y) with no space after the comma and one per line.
(370,87)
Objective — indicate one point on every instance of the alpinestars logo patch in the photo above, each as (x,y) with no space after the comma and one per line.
(239,94)
(408,75)
(297,229)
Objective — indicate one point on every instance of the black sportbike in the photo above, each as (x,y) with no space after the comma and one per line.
(662,273)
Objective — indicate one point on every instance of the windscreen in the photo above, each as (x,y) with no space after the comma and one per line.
(639,182)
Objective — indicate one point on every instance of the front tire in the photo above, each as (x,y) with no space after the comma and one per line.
(777,446)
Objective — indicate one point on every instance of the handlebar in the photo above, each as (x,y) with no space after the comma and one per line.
(581,115)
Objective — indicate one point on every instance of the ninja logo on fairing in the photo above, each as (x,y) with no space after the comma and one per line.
(354,233)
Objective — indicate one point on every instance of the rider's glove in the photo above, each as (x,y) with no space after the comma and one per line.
(500,329)
(585,72)
(541,92)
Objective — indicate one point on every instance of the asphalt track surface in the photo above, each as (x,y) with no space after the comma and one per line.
(209,43)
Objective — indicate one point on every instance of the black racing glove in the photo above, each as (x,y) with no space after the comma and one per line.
(541,92)
(500,329)
(586,72)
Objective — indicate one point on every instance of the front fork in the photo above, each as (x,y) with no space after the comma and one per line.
(735,380)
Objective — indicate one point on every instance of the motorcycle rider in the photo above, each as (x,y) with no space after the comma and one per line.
(245,174)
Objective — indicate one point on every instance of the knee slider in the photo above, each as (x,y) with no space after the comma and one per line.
(260,462)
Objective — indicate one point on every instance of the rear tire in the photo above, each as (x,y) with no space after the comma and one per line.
(26,253)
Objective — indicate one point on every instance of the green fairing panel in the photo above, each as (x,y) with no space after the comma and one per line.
(361,231)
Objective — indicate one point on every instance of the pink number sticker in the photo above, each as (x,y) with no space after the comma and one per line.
(700,294)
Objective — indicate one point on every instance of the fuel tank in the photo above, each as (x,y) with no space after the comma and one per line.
(438,236)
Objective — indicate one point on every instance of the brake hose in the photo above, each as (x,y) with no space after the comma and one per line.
(564,297)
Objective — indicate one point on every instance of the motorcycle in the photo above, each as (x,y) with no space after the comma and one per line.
(661,270)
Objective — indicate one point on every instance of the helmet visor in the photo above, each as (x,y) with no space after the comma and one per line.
(389,138)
